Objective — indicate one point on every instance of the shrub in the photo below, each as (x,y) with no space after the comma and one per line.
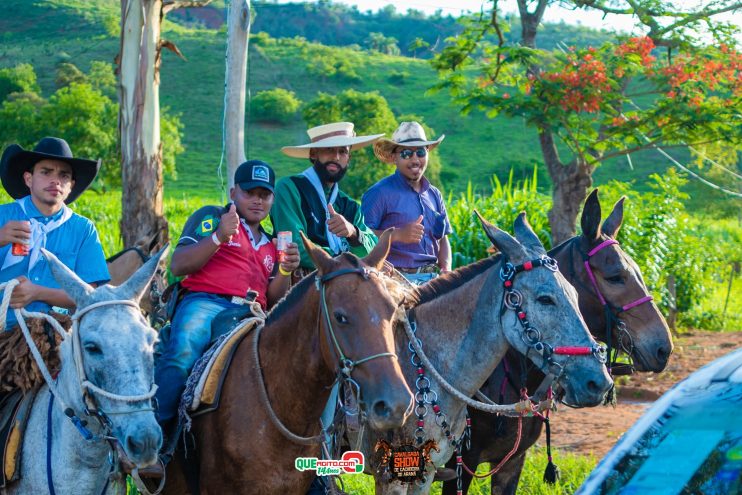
(275,105)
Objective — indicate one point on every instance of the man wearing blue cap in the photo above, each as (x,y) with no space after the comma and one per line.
(43,181)
(223,253)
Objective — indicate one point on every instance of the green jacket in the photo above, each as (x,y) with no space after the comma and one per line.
(298,208)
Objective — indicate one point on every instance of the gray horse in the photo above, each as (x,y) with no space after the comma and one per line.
(107,366)
(465,327)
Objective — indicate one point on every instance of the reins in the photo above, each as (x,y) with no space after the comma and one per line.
(345,365)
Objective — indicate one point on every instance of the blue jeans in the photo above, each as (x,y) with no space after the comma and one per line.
(419,278)
(190,336)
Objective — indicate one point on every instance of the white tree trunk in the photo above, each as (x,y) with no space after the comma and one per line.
(139,122)
(238,31)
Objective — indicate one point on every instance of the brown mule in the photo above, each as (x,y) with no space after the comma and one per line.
(127,261)
(644,335)
(240,448)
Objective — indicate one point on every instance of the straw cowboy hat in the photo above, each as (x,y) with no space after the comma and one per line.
(330,136)
(16,161)
(407,134)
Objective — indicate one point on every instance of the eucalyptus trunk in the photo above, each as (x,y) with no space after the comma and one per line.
(139,122)
(238,31)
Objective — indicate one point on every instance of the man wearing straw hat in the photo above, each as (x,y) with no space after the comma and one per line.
(312,202)
(43,181)
(406,201)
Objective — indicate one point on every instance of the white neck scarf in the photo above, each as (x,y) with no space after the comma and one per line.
(336,244)
(39,231)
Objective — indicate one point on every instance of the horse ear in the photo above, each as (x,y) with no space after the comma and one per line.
(615,219)
(68,280)
(525,235)
(321,259)
(590,221)
(501,239)
(377,256)
(133,289)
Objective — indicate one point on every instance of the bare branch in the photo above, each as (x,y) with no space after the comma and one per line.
(171,46)
(168,5)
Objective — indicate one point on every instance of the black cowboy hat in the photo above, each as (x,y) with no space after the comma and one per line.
(16,161)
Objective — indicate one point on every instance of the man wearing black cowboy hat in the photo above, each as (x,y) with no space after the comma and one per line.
(43,182)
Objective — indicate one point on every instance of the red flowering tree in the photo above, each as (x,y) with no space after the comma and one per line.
(598,103)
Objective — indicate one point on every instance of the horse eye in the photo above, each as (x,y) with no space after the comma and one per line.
(616,279)
(341,318)
(546,301)
(93,348)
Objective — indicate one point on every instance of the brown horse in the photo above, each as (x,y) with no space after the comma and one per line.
(635,326)
(124,263)
(345,309)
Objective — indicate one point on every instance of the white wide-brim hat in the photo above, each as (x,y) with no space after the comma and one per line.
(408,134)
(330,136)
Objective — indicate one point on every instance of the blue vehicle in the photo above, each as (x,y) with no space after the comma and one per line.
(688,442)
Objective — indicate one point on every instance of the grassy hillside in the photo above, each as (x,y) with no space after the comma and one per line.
(45,33)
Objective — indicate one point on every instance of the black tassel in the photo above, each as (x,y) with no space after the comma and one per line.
(551,473)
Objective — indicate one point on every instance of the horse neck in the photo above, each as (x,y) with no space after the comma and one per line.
(461,331)
(571,266)
(295,374)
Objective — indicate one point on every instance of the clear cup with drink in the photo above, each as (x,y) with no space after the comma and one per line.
(21,248)
(282,243)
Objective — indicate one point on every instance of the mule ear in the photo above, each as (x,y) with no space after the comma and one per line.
(133,289)
(68,280)
(379,253)
(525,235)
(321,259)
(590,221)
(615,219)
(501,239)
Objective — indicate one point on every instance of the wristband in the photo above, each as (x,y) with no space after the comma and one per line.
(283,272)
(216,240)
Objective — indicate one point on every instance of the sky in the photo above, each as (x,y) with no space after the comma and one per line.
(552,14)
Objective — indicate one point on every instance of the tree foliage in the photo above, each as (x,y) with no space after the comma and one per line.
(601,102)
(81,112)
(18,79)
(275,105)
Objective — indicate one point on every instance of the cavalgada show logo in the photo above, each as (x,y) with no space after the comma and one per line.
(350,463)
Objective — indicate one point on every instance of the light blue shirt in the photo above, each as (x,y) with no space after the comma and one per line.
(75,243)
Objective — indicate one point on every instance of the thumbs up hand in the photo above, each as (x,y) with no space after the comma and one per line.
(411,233)
(338,225)
(229,224)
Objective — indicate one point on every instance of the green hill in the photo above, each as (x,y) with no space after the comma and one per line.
(45,33)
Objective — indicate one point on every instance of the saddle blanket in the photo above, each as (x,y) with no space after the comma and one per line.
(203,387)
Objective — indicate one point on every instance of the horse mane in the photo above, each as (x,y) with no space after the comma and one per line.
(452,280)
(288,302)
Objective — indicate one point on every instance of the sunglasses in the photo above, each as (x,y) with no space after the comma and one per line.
(406,154)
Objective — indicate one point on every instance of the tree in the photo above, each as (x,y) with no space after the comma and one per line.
(600,103)
(379,43)
(417,44)
(275,105)
(139,116)
(238,34)
(18,79)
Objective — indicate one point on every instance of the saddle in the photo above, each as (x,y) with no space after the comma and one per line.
(15,408)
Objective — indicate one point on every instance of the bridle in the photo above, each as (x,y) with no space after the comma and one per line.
(512,299)
(612,315)
(345,365)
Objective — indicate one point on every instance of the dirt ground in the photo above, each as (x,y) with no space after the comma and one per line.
(596,430)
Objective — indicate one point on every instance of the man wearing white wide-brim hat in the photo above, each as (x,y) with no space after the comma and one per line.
(407,201)
(313,203)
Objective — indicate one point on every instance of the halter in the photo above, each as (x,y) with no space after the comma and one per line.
(345,365)
(612,312)
(512,300)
